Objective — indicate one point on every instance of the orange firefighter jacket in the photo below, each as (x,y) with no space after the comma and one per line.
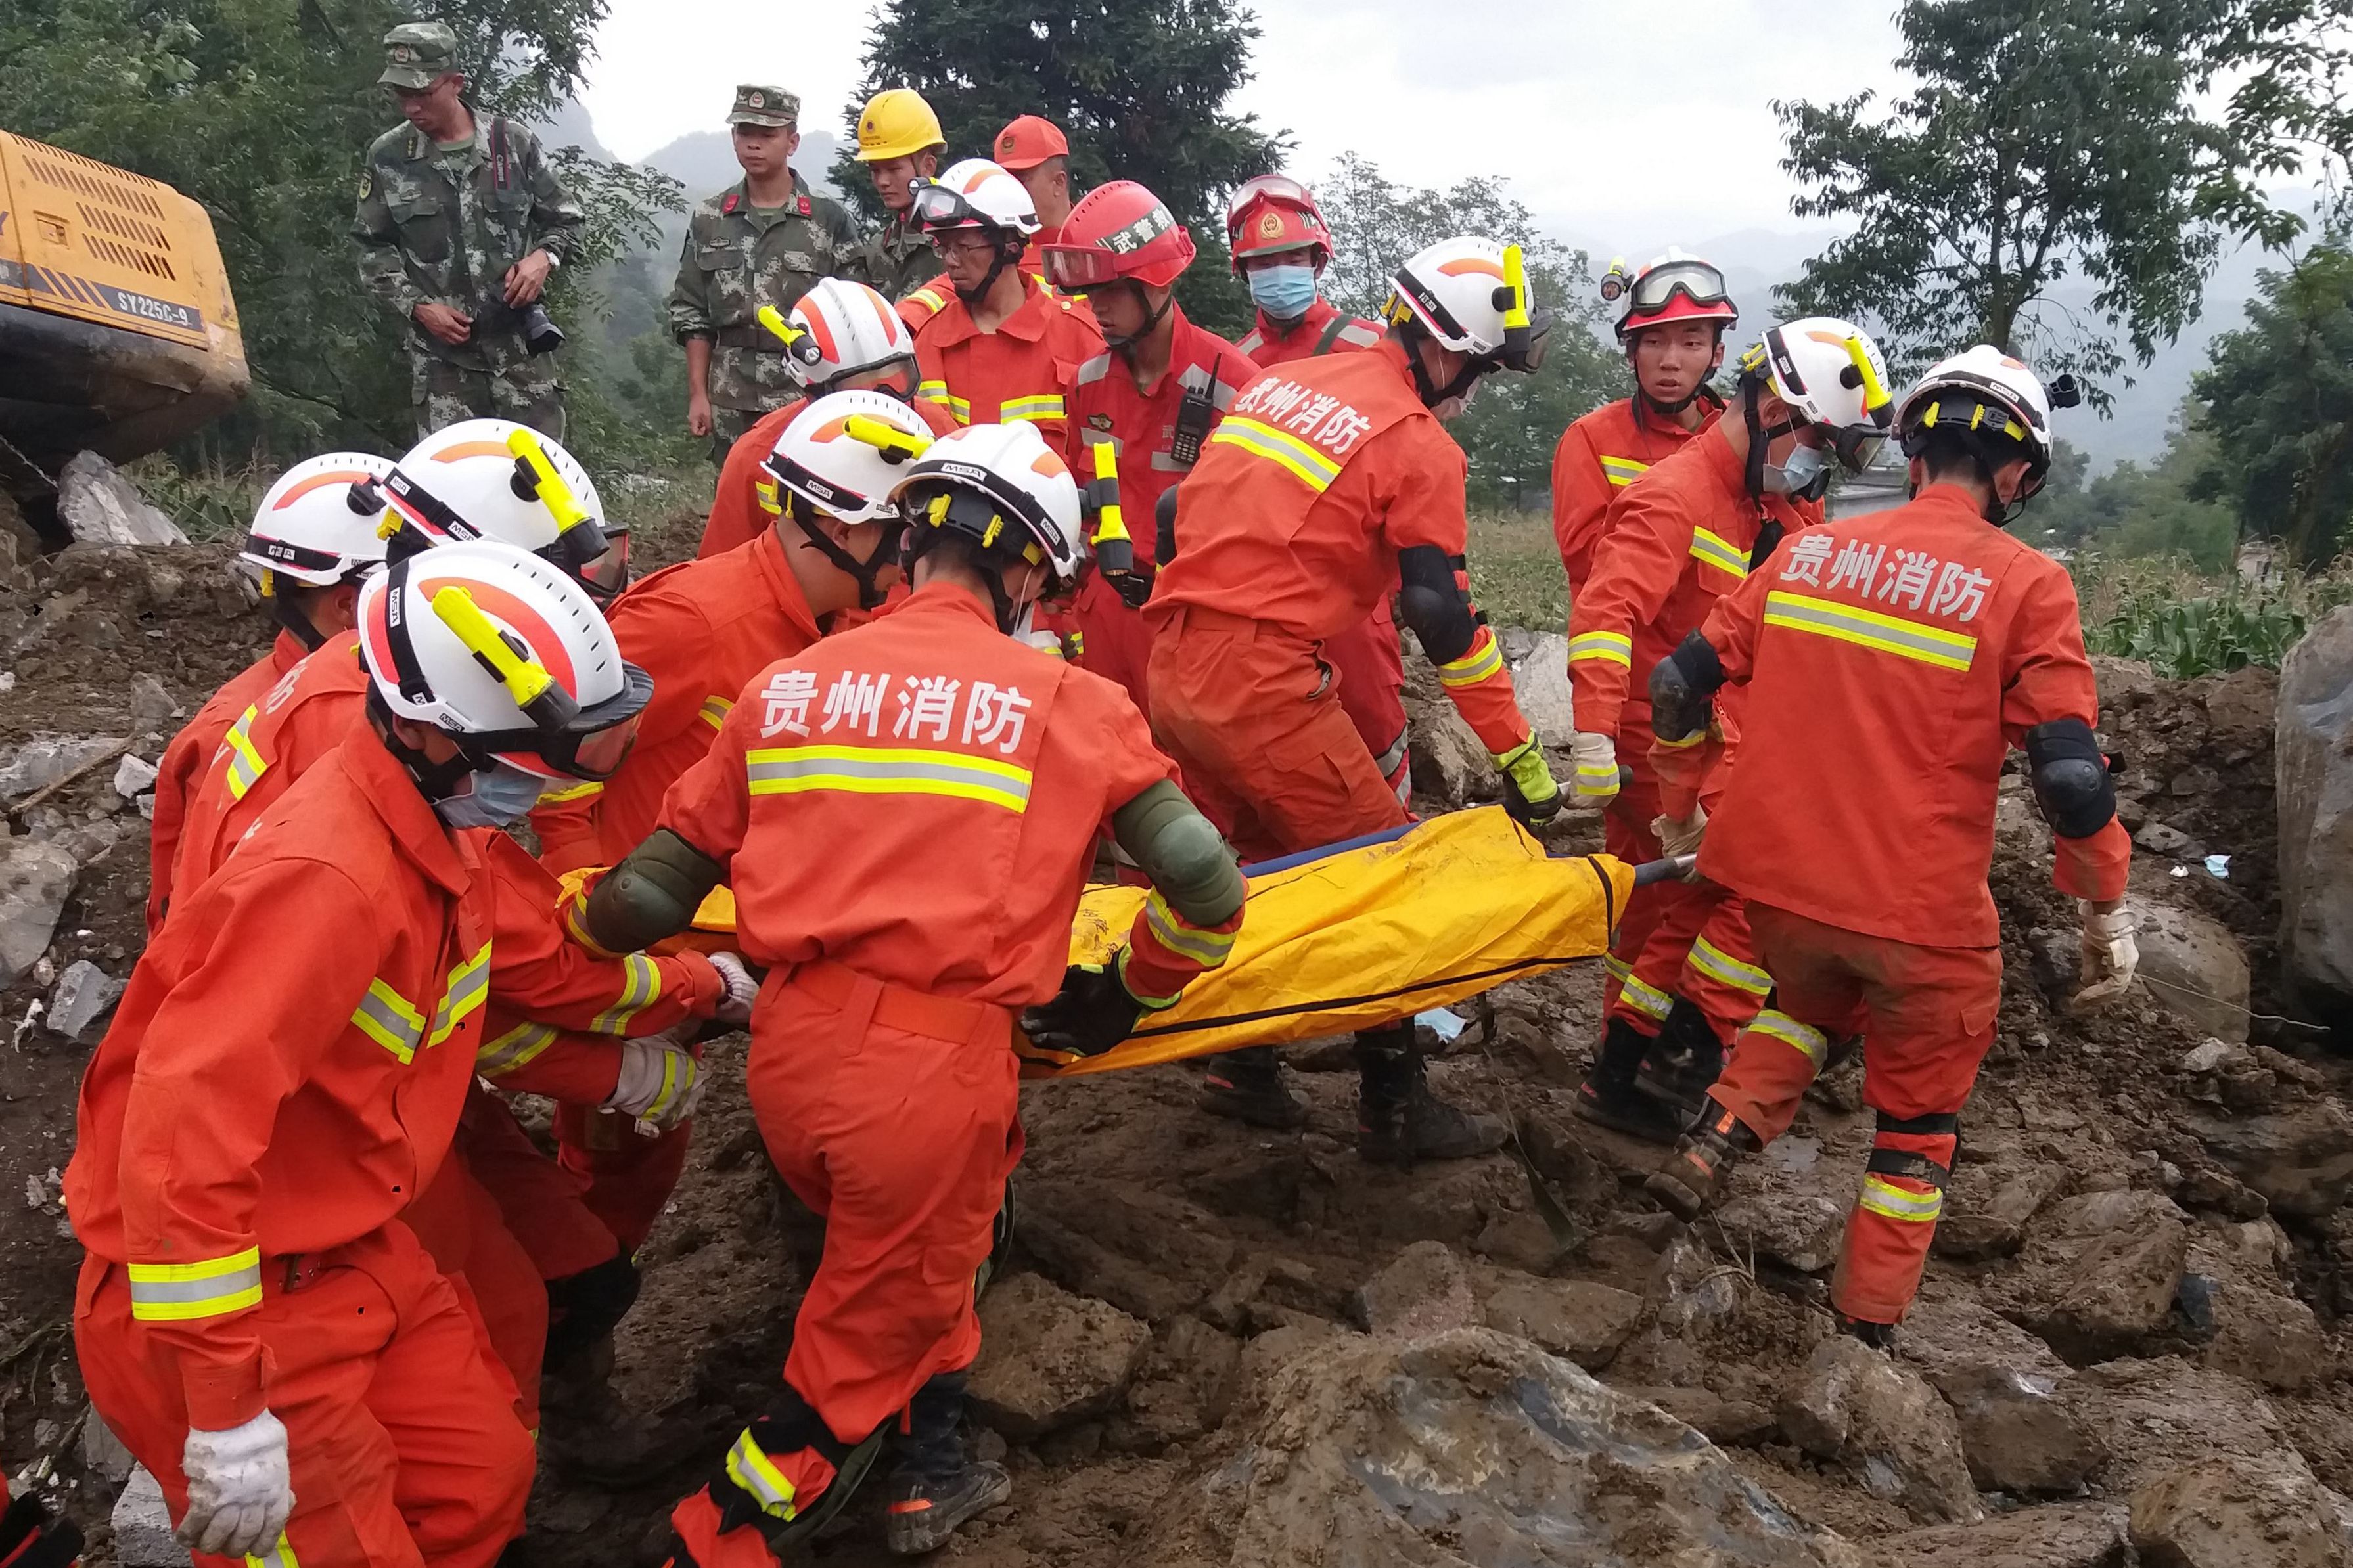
(1675,543)
(1891,662)
(919,798)
(1325,329)
(287,1067)
(701,629)
(1597,458)
(1323,470)
(190,752)
(746,499)
(1020,371)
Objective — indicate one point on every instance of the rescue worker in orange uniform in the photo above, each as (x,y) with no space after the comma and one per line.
(907,813)
(899,140)
(1683,978)
(1033,149)
(844,338)
(1672,328)
(285,1073)
(1281,247)
(1331,480)
(1152,397)
(1891,662)
(1004,351)
(313,538)
(543,1269)
(702,629)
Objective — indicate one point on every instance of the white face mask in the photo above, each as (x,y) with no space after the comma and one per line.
(501,795)
(1796,476)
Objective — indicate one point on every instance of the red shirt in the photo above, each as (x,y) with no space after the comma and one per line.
(1595,460)
(191,751)
(287,1067)
(1891,662)
(1676,542)
(1106,404)
(1021,371)
(701,629)
(917,798)
(1325,329)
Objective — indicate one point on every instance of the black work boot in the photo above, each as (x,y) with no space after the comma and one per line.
(934,1486)
(1398,1120)
(1693,1176)
(1878,1336)
(1247,1085)
(1684,1062)
(1607,1097)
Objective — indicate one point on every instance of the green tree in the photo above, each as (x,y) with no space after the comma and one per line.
(2279,396)
(1139,87)
(1513,425)
(2135,510)
(260,111)
(2052,148)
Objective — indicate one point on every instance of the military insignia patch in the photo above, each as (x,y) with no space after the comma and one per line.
(1270,225)
(367,184)
(756,100)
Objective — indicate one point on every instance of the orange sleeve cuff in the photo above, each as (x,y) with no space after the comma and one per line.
(223,1385)
(1166,952)
(2096,867)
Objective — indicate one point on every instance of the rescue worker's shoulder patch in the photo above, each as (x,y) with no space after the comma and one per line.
(1100,421)
(367,182)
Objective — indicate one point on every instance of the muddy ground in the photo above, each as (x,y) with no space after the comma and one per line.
(1237,1251)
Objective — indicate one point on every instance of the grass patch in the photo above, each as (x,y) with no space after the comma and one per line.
(1515,572)
(2188,623)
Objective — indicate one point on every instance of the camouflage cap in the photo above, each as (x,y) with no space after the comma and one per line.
(418,55)
(769,106)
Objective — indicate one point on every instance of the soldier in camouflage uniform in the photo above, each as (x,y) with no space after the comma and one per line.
(899,139)
(762,242)
(461,222)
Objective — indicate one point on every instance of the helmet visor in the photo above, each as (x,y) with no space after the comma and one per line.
(1856,446)
(593,745)
(1081,267)
(605,576)
(935,206)
(1266,187)
(1695,281)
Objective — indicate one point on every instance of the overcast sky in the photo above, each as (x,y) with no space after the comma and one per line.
(1565,100)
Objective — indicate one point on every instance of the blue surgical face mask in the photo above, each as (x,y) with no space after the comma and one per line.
(502,794)
(1283,292)
(1804,470)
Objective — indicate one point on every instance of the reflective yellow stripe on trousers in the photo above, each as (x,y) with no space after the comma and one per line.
(1892,1202)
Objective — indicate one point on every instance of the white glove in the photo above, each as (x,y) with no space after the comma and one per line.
(660,1082)
(735,1006)
(2110,955)
(1596,759)
(1682,837)
(239,1489)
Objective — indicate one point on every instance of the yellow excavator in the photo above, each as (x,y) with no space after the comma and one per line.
(118,332)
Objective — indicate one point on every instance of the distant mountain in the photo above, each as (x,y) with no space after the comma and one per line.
(572,127)
(704,161)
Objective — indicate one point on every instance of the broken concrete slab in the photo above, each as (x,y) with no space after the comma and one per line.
(36,878)
(99,506)
(85,993)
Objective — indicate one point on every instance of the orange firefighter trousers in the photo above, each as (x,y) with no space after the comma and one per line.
(1926,1015)
(405,1446)
(894,1115)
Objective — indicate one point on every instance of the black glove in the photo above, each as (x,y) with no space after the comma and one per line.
(1088,1017)
(1133,587)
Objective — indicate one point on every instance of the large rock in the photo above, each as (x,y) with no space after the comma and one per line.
(2162,1415)
(1540,681)
(2237,1513)
(85,993)
(1048,1358)
(35,879)
(143,1526)
(38,763)
(1881,1421)
(1425,1290)
(1450,762)
(2020,1431)
(2098,1273)
(2314,763)
(2192,966)
(2300,1160)
(1573,1318)
(1469,1447)
(1989,1206)
(2065,1535)
(1790,1224)
(102,507)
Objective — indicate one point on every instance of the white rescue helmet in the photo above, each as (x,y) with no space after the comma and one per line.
(493,478)
(317,525)
(1833,377)
(1003,486)
(844,453)
(506,654)
(1472,294)
(841,329)
(1990,395)
(973,194)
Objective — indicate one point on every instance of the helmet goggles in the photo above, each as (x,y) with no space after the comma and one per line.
(935,206)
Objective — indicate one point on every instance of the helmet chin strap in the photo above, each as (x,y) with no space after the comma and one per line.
(862,573)
(1431,393)
(1011,247)
(1125,345)
(295,621)
(434,780)
(1760,436)
(1670,410)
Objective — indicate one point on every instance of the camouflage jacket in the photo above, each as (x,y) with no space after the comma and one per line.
(736,260)
(446,227)
(893,262)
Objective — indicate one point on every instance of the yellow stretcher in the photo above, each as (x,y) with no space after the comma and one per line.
(1351,937)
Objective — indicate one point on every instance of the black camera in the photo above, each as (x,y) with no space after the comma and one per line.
(541,335)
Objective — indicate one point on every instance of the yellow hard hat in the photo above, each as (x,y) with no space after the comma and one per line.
(897,123)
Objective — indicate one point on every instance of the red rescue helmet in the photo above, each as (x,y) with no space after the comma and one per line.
(1675,287)
(1120,230)
(1275,212)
